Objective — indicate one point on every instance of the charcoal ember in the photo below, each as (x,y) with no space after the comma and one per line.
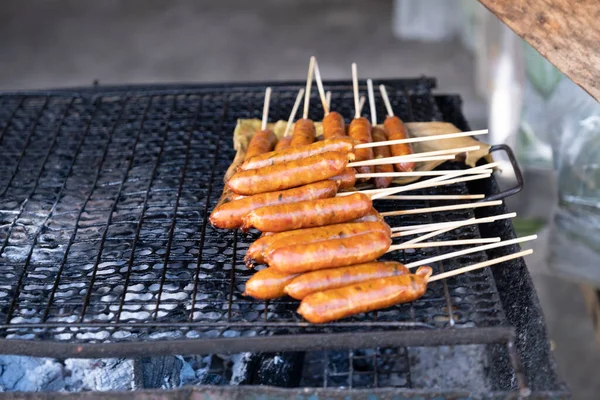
(212,379)
(279,369)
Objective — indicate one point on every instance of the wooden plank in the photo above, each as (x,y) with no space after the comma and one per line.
(592,301)
(566,32)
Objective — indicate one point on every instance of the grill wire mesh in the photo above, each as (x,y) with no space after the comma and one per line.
(103,221)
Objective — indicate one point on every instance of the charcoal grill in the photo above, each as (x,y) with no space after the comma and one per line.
(105,249)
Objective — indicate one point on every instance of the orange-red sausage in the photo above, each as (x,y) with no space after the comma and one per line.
(267,284)
(374,294)
(308,214)
(261,245)
(289,174)
(334,125)
(381,152)
(261,142)
(360,131)
(395,130)
(230,215)
(304,133)
(341,145)
(371,216)
(332,278)
(345,180)
(334,253)
(283,143)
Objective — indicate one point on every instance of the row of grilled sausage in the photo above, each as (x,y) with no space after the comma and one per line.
(319,248)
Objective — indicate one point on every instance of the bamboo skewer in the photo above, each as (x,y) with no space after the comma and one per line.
(372,109)
(293,113)
(441,208)
(415,229)
(309,79)
(386,101)
(409,157)
(435,197)
(449,178)
(328,96)
(471,250)
(321,90)
(355,89)
(361,104)
(265,113)
(480,265)
(463,242)
(432,184)
(409,174)
(423,138)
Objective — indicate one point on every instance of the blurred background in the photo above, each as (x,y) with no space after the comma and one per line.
(505,84)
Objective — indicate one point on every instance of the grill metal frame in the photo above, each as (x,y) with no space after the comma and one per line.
(413,102)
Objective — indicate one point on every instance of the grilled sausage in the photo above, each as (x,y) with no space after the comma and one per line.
(267,284)
(334,125)
(371,216)
(230,215)
(341,145)
(308,214)
(259,247)
(374,294)
(289,174)
(381,152)
(329,253)
(283,143)
(304,133)
(262,142)
(345,180)
(266,244)
(360,131)
(332,278)
(395,130)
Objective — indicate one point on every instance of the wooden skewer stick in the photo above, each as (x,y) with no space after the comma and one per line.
(361,104)
(484,264)
(409,157)
(355,88)
(422,245)
(432,184)
(328,95)
(293,113)
(423,138)
(434,181)
(482,169)
(476,249)
(321,90)
(385,192)
(442,208)
(435,197)
(372,106)
(470,221)
(386,101)
(309,79)
(415,229)
(265,114)
(408,174)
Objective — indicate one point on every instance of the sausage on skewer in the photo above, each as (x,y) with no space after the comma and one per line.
(382,152)
(308,214)
(255,252)
(334,304)
(332,278)
(396,130)
(330,253)
(289,174)
(267,284)
(230,215)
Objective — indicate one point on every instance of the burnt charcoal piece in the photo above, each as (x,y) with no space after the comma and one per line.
(279,369)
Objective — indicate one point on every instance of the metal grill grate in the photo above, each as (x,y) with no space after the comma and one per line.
(104,236)
(104,199)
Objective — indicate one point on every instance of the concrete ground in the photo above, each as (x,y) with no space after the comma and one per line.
(71,43)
